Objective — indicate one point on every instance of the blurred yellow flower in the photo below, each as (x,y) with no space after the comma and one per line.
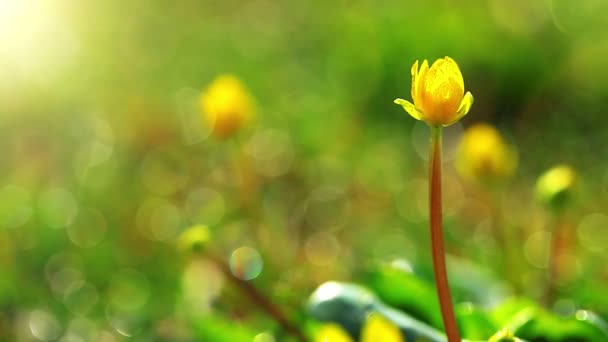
(484,156)
(554,187)
(226,106)
(194,239)
(332,332)
(438,93)
(377,328)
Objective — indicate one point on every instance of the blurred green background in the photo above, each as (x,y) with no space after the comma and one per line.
(106,159)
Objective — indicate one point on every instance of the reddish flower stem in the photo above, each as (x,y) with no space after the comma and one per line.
(260,299)
(441,277)
(554,265)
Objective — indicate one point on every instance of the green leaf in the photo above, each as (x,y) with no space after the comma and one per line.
(528,321)
(349,305)
(474,323)
(401,289)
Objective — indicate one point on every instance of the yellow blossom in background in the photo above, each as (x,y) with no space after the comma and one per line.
(554,187)
(379,329)
(226,106)
(484,156)
(438,93)
(194,239)
(332,332)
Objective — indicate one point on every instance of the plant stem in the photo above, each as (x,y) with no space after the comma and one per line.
(441,277)
(259,299)
(554,263)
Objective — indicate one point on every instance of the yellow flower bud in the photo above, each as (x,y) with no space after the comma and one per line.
(484,156)
(378,328)
(438,93)
(194,239)
(226,106)
(554,187)
(332,332)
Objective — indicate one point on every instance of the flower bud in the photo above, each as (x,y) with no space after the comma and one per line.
(226,106)
(194,239)
(483,156)
(438,93)
(554,187)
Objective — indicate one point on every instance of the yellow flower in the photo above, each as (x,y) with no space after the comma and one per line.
(194,239)
(226,106)
(438,93)
(379,329)
(332,332)
(483,155)
(376,329)
(554,187)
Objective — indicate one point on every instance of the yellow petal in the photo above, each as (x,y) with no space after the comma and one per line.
(444,81)
(414,78)
(415,69)
(453,71)
(484,156)
(377,329)
(555,185)
(420,84)
(465,105)
(226,106)
(438,93)
(332,332)
(410,108)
